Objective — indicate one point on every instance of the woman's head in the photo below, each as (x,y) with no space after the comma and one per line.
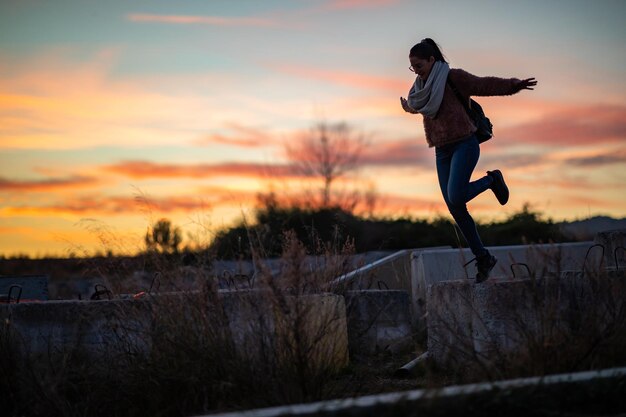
(423,56)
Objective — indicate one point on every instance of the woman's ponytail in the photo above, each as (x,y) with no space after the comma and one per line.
(427,48)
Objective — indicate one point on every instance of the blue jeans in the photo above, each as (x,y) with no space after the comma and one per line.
(455,164)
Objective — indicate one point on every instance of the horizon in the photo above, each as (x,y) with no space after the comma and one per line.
(113,115)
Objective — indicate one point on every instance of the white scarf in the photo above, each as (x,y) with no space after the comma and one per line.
(426,98)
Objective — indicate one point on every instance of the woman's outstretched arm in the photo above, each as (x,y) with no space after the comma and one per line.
(472,85)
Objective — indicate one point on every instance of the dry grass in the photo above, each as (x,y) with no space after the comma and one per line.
(195,351)
(202,350)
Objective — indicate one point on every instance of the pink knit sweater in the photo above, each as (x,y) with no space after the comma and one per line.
(452,122)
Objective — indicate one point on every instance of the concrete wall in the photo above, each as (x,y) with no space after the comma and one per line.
(94,327)
(378,321)
(253,320)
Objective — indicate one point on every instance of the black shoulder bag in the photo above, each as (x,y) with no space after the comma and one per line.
(484,128)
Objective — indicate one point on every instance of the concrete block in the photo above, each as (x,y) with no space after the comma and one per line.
(614,245)
(274,327)
(479,323)
(318,324)
(433,266)
(378,321)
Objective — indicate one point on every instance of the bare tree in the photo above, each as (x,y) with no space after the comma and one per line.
(329,152)
(163,237)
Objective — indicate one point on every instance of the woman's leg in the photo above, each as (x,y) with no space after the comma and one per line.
(455,165)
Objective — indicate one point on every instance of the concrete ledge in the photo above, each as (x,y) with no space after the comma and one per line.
(94,327)
(33,288)
(392,272)
(601,392)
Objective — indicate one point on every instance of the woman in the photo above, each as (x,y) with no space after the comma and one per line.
(450,130)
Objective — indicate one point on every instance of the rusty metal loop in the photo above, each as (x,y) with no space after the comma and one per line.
(615,256)
(589,250)
(520,264)
(155,279)
(98,293)
(19,294)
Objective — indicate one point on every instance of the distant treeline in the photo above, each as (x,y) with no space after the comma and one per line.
(332,228)
(322,230)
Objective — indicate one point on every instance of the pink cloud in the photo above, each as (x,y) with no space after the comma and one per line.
(243,136)
(571,126)
(202,20)
(516,160)
(358,4)
(409,152)
(599,159)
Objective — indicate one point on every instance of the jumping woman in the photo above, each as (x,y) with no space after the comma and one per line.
(450,130)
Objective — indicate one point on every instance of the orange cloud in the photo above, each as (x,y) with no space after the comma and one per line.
(77,206)
(394,205)
(202,20)
(578,200)
(121,205)
(49,184)
(146,169)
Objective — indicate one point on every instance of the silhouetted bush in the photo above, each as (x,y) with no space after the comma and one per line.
(526,226)
(333,224)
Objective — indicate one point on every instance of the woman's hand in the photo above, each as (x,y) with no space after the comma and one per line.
(406,107)
(526,84)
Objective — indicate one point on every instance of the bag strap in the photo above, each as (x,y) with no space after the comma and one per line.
(458,95)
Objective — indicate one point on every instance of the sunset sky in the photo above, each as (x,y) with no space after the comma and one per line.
(115,113)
